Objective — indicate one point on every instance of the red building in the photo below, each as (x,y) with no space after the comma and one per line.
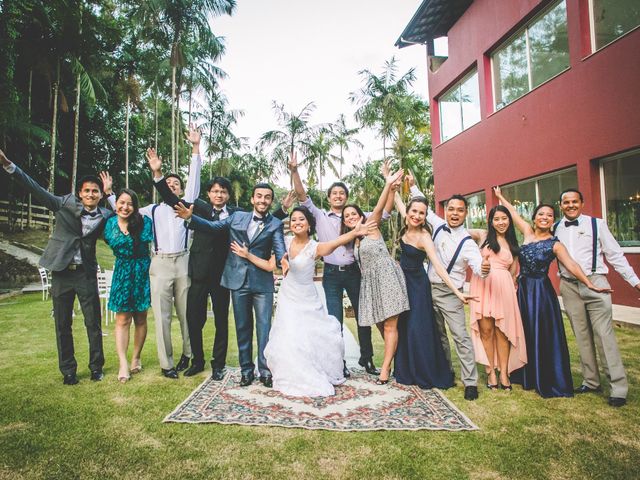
(537,96)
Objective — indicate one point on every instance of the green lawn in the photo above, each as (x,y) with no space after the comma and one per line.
(109,430)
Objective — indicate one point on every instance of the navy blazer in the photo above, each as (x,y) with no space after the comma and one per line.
(239,271)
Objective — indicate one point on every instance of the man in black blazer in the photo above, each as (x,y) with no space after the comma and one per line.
(71,256)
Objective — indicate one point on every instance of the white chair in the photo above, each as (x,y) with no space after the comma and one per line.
(45,280)
(104,291)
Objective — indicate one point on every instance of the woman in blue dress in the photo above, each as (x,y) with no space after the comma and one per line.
(420,359)
(548,370)
(128,234)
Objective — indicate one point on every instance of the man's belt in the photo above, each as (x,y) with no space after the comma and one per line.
(352,267)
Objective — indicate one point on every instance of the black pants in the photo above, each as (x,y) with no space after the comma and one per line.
(65,286)
(197,298)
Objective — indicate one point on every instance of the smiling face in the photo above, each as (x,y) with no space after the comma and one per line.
(455,212)
(416,214)
(299,224)
(218,196)
(124,206)
(500,222)
(571,205)
(543,219)
(337,198)
(174,186)
(90,195)
(261,200)
(351,217)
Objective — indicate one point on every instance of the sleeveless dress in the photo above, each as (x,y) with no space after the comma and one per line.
(420,359)
(383,292)
(497,299)
(305,350)
(548,370)
(130,291)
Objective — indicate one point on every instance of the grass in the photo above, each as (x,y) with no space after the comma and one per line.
(109,430)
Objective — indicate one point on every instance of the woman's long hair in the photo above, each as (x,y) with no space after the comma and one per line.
(135,221)
(425,226)
(343,227)
(492,235)
(308,215)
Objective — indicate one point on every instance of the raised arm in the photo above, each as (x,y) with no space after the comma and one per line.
(520,223)
(243,251)
(51,201)
(159,182)
(376,215)
(400,206)
(282,211)
(326,248)
(432,218)
(195,222)
(570,264)
(478,234)
(295,177)
(192,190)
(426,243)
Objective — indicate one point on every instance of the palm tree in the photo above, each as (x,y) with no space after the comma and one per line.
(319,157)
(344,138)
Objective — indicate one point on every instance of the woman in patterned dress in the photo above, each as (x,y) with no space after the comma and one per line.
(383,291)
(128,234)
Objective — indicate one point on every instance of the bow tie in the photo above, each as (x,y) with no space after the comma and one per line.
(446,229)
(84,213)
(572,223)
(258,219)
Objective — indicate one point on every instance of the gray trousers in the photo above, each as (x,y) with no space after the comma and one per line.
(591,319)
(450,310)
(169,285)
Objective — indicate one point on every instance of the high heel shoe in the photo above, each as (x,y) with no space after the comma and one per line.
(136,369)
(492,386)
(379,381)
(506,387)
(124,379)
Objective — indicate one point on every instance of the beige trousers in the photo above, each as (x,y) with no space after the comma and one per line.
(591,319)
(169,286)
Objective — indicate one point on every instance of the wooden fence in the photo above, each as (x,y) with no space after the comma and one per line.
(19,213)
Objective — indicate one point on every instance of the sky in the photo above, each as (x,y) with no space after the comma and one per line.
(298,51)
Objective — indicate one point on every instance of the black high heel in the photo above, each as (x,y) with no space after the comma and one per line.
(491,386)
(379,381)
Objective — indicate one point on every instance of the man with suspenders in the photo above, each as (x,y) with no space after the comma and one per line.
(457,251)
(588,239)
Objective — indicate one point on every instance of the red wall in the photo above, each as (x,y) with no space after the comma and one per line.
(590,111)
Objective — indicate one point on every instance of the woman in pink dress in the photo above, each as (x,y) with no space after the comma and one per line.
(496,325)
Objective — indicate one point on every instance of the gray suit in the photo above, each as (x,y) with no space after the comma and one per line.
(67,239)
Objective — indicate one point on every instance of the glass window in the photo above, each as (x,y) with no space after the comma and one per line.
(612,19)
(550,187)
(622,197)
(531,57)
(477,210)
(460,107)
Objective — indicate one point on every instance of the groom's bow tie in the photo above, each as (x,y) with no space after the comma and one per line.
(258,219)
(84,213)
(572,223)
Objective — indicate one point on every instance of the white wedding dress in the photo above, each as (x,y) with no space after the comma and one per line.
(305,350)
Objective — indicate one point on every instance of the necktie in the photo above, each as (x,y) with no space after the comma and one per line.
(216,214)
(572,223)
(91,214)
(446,229)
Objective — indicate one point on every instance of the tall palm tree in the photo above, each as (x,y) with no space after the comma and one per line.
(344,138)
(319,157)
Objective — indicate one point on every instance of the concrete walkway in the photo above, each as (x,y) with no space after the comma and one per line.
(20,253)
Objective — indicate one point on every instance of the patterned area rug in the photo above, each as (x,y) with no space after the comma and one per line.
(358,405)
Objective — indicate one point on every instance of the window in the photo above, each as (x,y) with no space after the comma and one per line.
(611,19)
(621,197)
(460,107)
(532,56)
(477,210)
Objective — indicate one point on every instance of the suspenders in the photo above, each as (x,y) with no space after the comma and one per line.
(155,237)
(594,244)
(458,250)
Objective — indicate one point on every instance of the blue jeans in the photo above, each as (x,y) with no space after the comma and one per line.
(335,282)
(245,302)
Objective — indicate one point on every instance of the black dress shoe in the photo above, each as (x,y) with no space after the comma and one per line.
(193,370)
(369,366)
(218,374)
(345,371)
(97,375)
(70,379)
(171,373)
(267,381)
(246,380)
(617,401)
(585,389)
(183,364)
(470,393)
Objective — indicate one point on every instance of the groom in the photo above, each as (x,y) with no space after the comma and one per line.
(251,287)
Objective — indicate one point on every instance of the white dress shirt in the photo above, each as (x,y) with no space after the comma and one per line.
(254,225)
(579,242)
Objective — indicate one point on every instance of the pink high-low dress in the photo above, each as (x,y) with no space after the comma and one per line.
(497,299)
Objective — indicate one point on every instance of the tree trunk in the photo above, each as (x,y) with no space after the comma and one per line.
(341,162)
(320,183)
(29,210)
(126,143)
(178,131)
(54,126)
(173,118)
(154,197)
(76,130)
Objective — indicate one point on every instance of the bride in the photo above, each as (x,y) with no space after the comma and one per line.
(305,350)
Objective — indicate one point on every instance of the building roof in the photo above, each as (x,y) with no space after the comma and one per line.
(433,19)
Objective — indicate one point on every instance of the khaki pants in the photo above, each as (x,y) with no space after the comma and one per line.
(591,319)
(169,286)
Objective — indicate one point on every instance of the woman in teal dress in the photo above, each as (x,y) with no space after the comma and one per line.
(128,234)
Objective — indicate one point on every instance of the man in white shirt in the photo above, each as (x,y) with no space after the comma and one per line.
(457,251)
(589,242)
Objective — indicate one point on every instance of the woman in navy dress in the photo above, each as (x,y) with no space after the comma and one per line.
(128,234)
(548,370)
(420,359)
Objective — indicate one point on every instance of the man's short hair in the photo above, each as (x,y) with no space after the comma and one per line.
(457,196)
(89,179)
(337,184)
(570,190)
(221,182)
(176,176)
(262,185)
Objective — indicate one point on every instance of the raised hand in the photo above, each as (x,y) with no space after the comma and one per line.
(240,250)
(107,182)
(288,199)
(385,168)
(155,162)
(182,211)
(285,264)
(293,161)
(5,161)
(193,135)
(410,178)
(498,192)
(391,179)
(362,229)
